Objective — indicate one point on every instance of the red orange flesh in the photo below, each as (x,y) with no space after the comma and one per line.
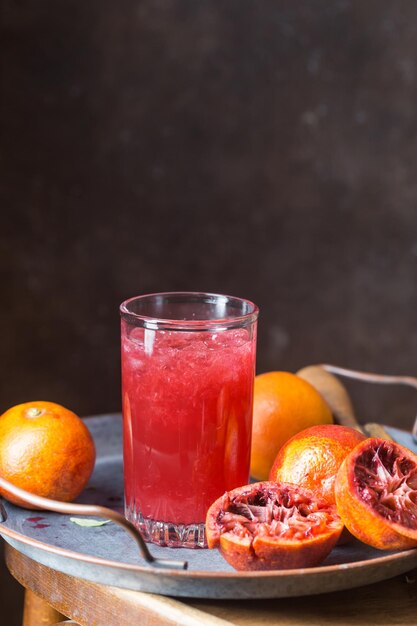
(376,494)
(267,526)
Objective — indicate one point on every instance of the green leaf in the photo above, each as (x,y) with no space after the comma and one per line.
(88,523)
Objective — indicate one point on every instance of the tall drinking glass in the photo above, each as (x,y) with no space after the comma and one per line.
(188,365)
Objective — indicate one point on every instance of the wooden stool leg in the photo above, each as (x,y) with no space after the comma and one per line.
(37,612)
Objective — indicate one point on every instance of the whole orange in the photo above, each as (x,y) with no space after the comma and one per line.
(46,450)
(313,456)
(283,405)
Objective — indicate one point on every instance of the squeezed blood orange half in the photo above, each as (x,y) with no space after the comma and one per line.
(376,494)
(268,525)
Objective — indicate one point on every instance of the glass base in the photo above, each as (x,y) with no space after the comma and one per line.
(168,534)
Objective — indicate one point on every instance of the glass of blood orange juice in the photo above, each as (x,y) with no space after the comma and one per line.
(188,366)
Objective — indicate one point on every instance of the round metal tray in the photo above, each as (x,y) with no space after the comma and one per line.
(107,554)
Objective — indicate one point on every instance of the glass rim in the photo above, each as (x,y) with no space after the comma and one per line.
(161,323)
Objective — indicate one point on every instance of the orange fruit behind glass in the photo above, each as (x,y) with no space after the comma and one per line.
(284,404)
(312,457)
(46,450)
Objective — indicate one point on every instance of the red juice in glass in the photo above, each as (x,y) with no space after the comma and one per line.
(187,388)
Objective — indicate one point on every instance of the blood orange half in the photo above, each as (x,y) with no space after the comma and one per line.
(376,494)
(269,525)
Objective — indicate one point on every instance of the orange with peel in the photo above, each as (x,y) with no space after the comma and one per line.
(46,450)
(270,525)
(376,494)
(284,404)
(312,457)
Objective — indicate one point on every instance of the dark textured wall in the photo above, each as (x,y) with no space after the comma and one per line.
(263,149)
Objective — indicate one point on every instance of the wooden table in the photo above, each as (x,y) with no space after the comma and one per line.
(50,595)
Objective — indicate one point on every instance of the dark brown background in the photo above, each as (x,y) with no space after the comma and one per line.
(263,149)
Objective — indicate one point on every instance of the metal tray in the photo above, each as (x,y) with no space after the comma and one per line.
(107,554)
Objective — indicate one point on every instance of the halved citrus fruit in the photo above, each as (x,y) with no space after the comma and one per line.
(268,525)
(376,494)
(312,457)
